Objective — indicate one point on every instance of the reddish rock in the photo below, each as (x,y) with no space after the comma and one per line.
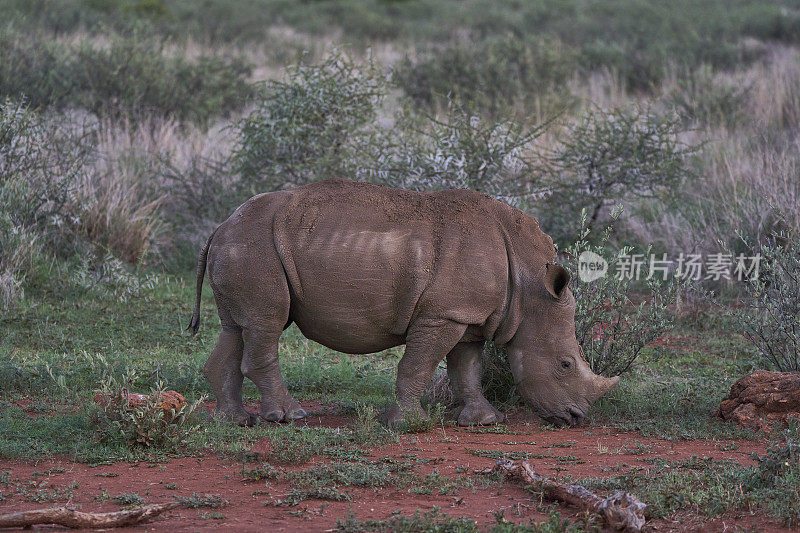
(169,401)
(762,399)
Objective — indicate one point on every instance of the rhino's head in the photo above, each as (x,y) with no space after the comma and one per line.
(546,359)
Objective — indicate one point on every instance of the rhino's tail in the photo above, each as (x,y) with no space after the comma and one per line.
(194,325)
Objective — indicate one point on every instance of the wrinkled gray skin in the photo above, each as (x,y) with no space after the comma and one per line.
(361,268)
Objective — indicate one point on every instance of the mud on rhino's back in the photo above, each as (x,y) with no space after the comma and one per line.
(357,265)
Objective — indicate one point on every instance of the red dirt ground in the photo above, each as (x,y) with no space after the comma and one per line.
(601,451)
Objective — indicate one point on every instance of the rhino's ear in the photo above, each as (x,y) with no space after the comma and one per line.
(556,280)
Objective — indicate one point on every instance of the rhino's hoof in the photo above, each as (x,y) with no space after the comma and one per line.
(295,412)
(480,415)
(392,417)
(248,421)
(241,418)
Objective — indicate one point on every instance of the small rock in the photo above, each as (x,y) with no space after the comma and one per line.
(762,399)
(169,401)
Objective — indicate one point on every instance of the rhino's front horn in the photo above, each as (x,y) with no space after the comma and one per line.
(603,385)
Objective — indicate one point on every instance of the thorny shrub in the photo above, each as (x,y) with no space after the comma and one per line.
(321,124)
(771,314)
(310,127)
(131,78)
(460,150)
(608,156)
(503,73)
(612,328)
(40,166)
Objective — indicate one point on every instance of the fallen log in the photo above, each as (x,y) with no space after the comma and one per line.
(621,510)
(64,516)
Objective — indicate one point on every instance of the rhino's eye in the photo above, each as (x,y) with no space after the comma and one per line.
(565,364)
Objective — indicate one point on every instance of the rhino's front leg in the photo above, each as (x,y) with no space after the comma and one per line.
(260,364)
(464,370)
(428,341)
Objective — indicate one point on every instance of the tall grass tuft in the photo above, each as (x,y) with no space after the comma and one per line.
(56,203)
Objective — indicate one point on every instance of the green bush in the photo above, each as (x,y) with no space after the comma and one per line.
(461,150)
(40,166)
(608,156)
(39,70)
(308,128)
(132,78)
(702,97)
(643,41)
(322,123)
(135,77)
(612,328)
(120,421)
(771,312)
(64,16)
(492,77)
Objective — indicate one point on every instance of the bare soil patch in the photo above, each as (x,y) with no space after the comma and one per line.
(580,452)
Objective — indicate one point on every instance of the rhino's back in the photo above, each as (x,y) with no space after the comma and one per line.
(363,261)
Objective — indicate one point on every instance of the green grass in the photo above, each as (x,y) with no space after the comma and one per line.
(688,383)
(128,499)
(197,501)
(435,521)
(499,454)
(358,474)
(710,487)
(326,481)
(56,353)
(295,496)
(63,345)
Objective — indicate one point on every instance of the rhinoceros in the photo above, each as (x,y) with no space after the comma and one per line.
(361,268)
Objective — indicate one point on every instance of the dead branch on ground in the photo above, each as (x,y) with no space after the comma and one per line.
(64,516)
(621,510)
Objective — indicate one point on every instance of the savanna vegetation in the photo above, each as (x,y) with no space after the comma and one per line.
(130,128)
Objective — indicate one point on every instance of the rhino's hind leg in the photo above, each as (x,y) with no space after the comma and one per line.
(464,370)
(222,369)
(260,364)
(427,343)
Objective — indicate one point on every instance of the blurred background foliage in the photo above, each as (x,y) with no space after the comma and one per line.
(130,128)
